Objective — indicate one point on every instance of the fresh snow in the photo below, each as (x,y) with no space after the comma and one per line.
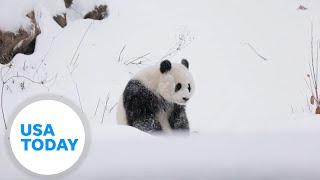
(54,7)
(13,12)
(249,116)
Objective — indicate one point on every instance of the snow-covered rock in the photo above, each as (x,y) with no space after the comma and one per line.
(61,19)
(98,13)
(22,41)
(57,9)
(19,21)
(88,9)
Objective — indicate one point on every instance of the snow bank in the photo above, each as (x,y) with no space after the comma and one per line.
(13,14)
(220,156)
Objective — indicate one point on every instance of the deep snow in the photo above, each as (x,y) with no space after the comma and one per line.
(249,116)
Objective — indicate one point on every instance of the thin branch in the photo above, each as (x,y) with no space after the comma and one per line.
(309,86)
(2,91)
(81,40)
(24,65)
(313,65)
(79,98)
(134,60)
(24,77)
(313,73)
(120,57)
(105,108)
(75,65)
(110,110)
(53,79)
(184,39)
(44,57)
(256,52)
(9,89)
(95,112)
(2,109)
(308,104)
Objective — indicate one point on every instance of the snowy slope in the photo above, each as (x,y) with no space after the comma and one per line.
(240,100)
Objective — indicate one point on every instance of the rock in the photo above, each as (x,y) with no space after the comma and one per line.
(61,19)
(98,13)
(22,41)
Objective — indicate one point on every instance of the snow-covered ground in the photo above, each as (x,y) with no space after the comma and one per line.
(249,116)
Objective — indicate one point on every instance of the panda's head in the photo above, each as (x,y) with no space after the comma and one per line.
(176,84)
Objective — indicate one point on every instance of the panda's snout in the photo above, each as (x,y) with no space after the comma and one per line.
(185,99)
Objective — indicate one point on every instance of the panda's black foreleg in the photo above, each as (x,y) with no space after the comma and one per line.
(147,125)
(178,118)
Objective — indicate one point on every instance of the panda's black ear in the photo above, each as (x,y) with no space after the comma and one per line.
(165,66)
(185,63)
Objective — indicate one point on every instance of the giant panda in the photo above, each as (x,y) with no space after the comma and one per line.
(154,100)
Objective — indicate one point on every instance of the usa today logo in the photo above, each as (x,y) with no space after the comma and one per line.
(47,136)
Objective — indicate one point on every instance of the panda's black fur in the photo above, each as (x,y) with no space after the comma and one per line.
(141,107)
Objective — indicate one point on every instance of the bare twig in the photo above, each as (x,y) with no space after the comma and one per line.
(95,112)
(77,89)
(79,98)
(2,109)
(75,65)
(2,91)
(53,80)
(120,57)
(24,65)
(24,77)
(79,44)
(105,108)
(44,57)
(112,107)
(9,89)
(309,85)
(308,104)
(312,82)
(256,52)
(140,59)
(184,39)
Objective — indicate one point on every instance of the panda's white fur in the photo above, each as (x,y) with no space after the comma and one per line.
(121,114)
(163,84)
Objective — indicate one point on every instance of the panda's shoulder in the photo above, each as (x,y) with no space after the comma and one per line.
(137,95)
(149,77)
(134,86)
(145,72)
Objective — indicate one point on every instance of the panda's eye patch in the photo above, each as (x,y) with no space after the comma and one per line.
(189,87)
(178,87)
